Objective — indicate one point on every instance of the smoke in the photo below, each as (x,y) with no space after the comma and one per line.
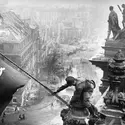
(97,94)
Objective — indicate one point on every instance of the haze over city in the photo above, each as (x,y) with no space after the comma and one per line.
(38,2)
(51,40)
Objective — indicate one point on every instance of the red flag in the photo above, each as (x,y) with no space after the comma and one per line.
(10,81)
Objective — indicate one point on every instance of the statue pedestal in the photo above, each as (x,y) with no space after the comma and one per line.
(112,46)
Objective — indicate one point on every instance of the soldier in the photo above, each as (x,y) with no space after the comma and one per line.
(52,105)
(3,117)
(2,120)
(1,20)
(123,13)
(113,25)
(22,117)
(4,114)
(80,102)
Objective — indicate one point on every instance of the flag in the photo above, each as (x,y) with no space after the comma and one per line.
(10,81)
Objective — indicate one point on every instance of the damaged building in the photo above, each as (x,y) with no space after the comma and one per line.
(19,42)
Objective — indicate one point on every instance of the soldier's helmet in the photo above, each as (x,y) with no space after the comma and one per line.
(89,84)
(85,85)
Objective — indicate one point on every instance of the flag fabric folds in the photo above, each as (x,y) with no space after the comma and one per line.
(10,81)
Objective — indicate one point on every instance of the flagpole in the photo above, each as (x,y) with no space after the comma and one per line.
(36,80)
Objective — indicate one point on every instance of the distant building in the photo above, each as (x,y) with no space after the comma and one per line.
(19,42)
(69,32)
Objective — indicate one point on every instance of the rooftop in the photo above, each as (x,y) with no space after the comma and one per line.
(13,29)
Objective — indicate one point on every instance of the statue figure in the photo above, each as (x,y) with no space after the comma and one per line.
(80,105)
(113,23)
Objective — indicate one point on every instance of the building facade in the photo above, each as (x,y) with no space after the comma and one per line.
(19,43)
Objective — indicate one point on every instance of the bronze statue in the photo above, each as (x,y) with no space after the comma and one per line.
(113,23)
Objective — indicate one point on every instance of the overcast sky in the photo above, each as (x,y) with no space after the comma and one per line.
(37,2)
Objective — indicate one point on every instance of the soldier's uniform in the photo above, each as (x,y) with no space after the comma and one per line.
(80,103)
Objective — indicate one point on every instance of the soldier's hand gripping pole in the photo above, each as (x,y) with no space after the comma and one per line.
(61,88)
(36,80)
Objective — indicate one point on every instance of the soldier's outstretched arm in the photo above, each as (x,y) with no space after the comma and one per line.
(70,82)
(61,88)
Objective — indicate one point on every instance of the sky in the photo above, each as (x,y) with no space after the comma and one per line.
(38,2)
(101,5)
